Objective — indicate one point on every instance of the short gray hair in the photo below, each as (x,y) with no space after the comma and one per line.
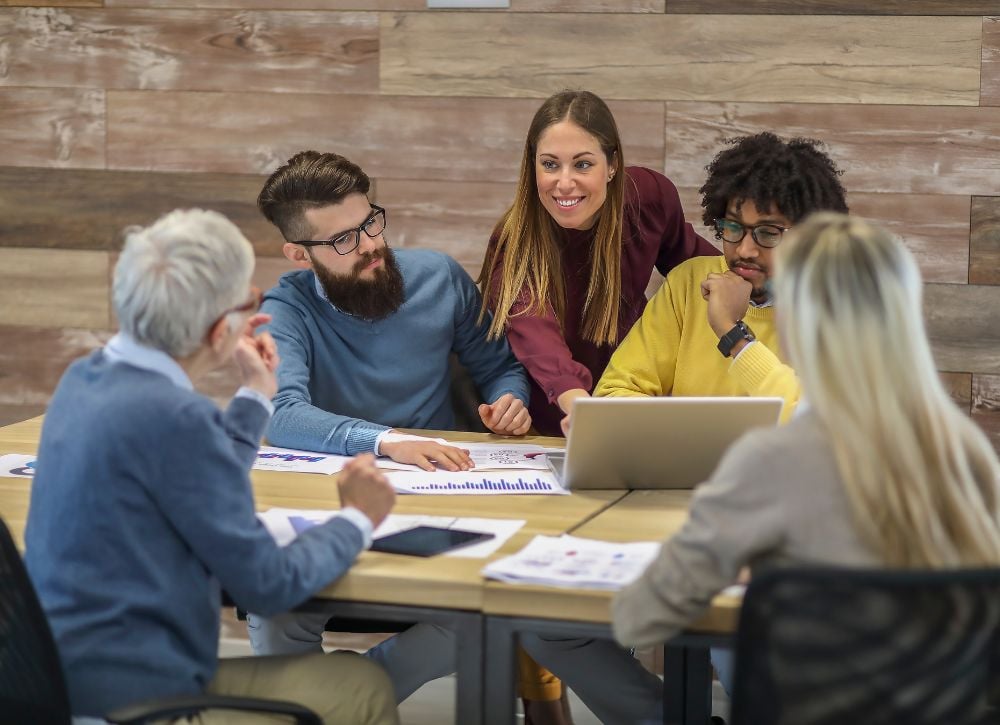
(175,278)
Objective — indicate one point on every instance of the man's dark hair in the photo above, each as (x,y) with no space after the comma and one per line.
(308,180)
(795,176)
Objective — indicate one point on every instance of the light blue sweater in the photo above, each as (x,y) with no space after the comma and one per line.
(343,380)
(140,507)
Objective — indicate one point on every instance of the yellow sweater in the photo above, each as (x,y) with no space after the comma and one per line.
(672,350)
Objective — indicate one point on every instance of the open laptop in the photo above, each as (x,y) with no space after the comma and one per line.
(654,442)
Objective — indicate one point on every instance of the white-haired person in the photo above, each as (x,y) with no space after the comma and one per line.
(142,508)
(878,469)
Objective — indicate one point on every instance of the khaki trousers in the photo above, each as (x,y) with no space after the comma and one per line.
(341,687)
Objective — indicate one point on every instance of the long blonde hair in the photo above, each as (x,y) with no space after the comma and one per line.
(527,234)
(921,478)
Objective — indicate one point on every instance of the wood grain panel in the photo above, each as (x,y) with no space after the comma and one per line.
(51,126)
(962,328)
(53,3)
(520,6)
(32,360)
(340,5)
(935,228)
(54,289)
(901,60)
(268,270)
(880,148)
(390,137)
(990,71)
(88,209)
(984,244)
(454,218)
(315,52)
(836,7)
(986,405)
(587,6)
(959,387)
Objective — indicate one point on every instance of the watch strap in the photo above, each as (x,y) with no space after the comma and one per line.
(739,331)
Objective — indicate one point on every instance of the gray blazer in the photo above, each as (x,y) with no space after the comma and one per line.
(775,498)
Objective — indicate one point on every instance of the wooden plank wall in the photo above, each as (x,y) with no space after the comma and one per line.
(115,111)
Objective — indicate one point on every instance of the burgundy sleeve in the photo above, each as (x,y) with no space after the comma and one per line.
(678,239)
(539,345)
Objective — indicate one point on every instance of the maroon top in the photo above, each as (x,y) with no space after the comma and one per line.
(654,234)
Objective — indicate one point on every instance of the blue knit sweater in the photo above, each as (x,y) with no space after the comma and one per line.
(343,380)
(140,508)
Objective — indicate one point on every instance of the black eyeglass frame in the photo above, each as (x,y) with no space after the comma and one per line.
(753,232)
(356,231)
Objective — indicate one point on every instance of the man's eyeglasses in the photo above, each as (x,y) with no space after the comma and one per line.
(766,235)
(251,305)
(347,242)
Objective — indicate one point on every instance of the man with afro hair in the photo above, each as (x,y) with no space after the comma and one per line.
(709,330)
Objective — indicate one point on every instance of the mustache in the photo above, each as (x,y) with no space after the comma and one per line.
(746,264)
(367,258)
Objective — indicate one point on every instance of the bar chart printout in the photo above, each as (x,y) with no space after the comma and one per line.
(475,482)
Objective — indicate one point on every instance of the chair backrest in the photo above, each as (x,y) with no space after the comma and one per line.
(839,646)
(465,398)
(32,687)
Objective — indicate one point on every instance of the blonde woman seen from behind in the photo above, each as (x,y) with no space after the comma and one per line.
(881,469)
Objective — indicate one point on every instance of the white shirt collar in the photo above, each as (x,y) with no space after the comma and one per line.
(122,348)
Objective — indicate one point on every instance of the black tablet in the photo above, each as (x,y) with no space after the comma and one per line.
(427,541)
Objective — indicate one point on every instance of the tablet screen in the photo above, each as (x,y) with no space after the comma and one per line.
(427,541)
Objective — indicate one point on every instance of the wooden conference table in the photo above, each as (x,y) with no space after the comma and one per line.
(486,617)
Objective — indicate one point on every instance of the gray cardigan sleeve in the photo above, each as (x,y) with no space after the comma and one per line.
(734,517)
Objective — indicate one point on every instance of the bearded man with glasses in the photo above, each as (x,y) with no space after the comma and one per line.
(365,336)
(710,329)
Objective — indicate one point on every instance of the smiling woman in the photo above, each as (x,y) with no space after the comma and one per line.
(567,266)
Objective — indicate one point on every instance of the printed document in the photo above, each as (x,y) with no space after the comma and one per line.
(485,456)
(569,561)
(15,465)
(475,482)
(270,458)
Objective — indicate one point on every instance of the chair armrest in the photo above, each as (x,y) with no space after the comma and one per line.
(176,707)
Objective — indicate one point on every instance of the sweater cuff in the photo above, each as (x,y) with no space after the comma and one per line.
(362,438)
(556,387)
(753,364)
(245,392)
(360,521)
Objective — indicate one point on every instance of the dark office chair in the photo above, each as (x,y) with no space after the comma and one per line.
(32,688)
(836,646)
(465,398)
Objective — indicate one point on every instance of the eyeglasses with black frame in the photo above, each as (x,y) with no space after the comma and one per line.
(347,241)
(765,235)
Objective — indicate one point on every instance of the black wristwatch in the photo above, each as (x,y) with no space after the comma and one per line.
(739,332)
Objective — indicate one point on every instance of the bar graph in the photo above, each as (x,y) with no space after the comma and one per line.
(491,483)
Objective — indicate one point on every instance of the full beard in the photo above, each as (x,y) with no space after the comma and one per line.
(369,299)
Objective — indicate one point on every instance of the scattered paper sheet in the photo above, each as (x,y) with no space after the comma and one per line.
(493,456)
(285,524)
(15,465)
(291,460)
(485,456)
(569,561)
(490,483)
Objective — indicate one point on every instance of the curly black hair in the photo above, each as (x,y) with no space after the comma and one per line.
(795,176)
